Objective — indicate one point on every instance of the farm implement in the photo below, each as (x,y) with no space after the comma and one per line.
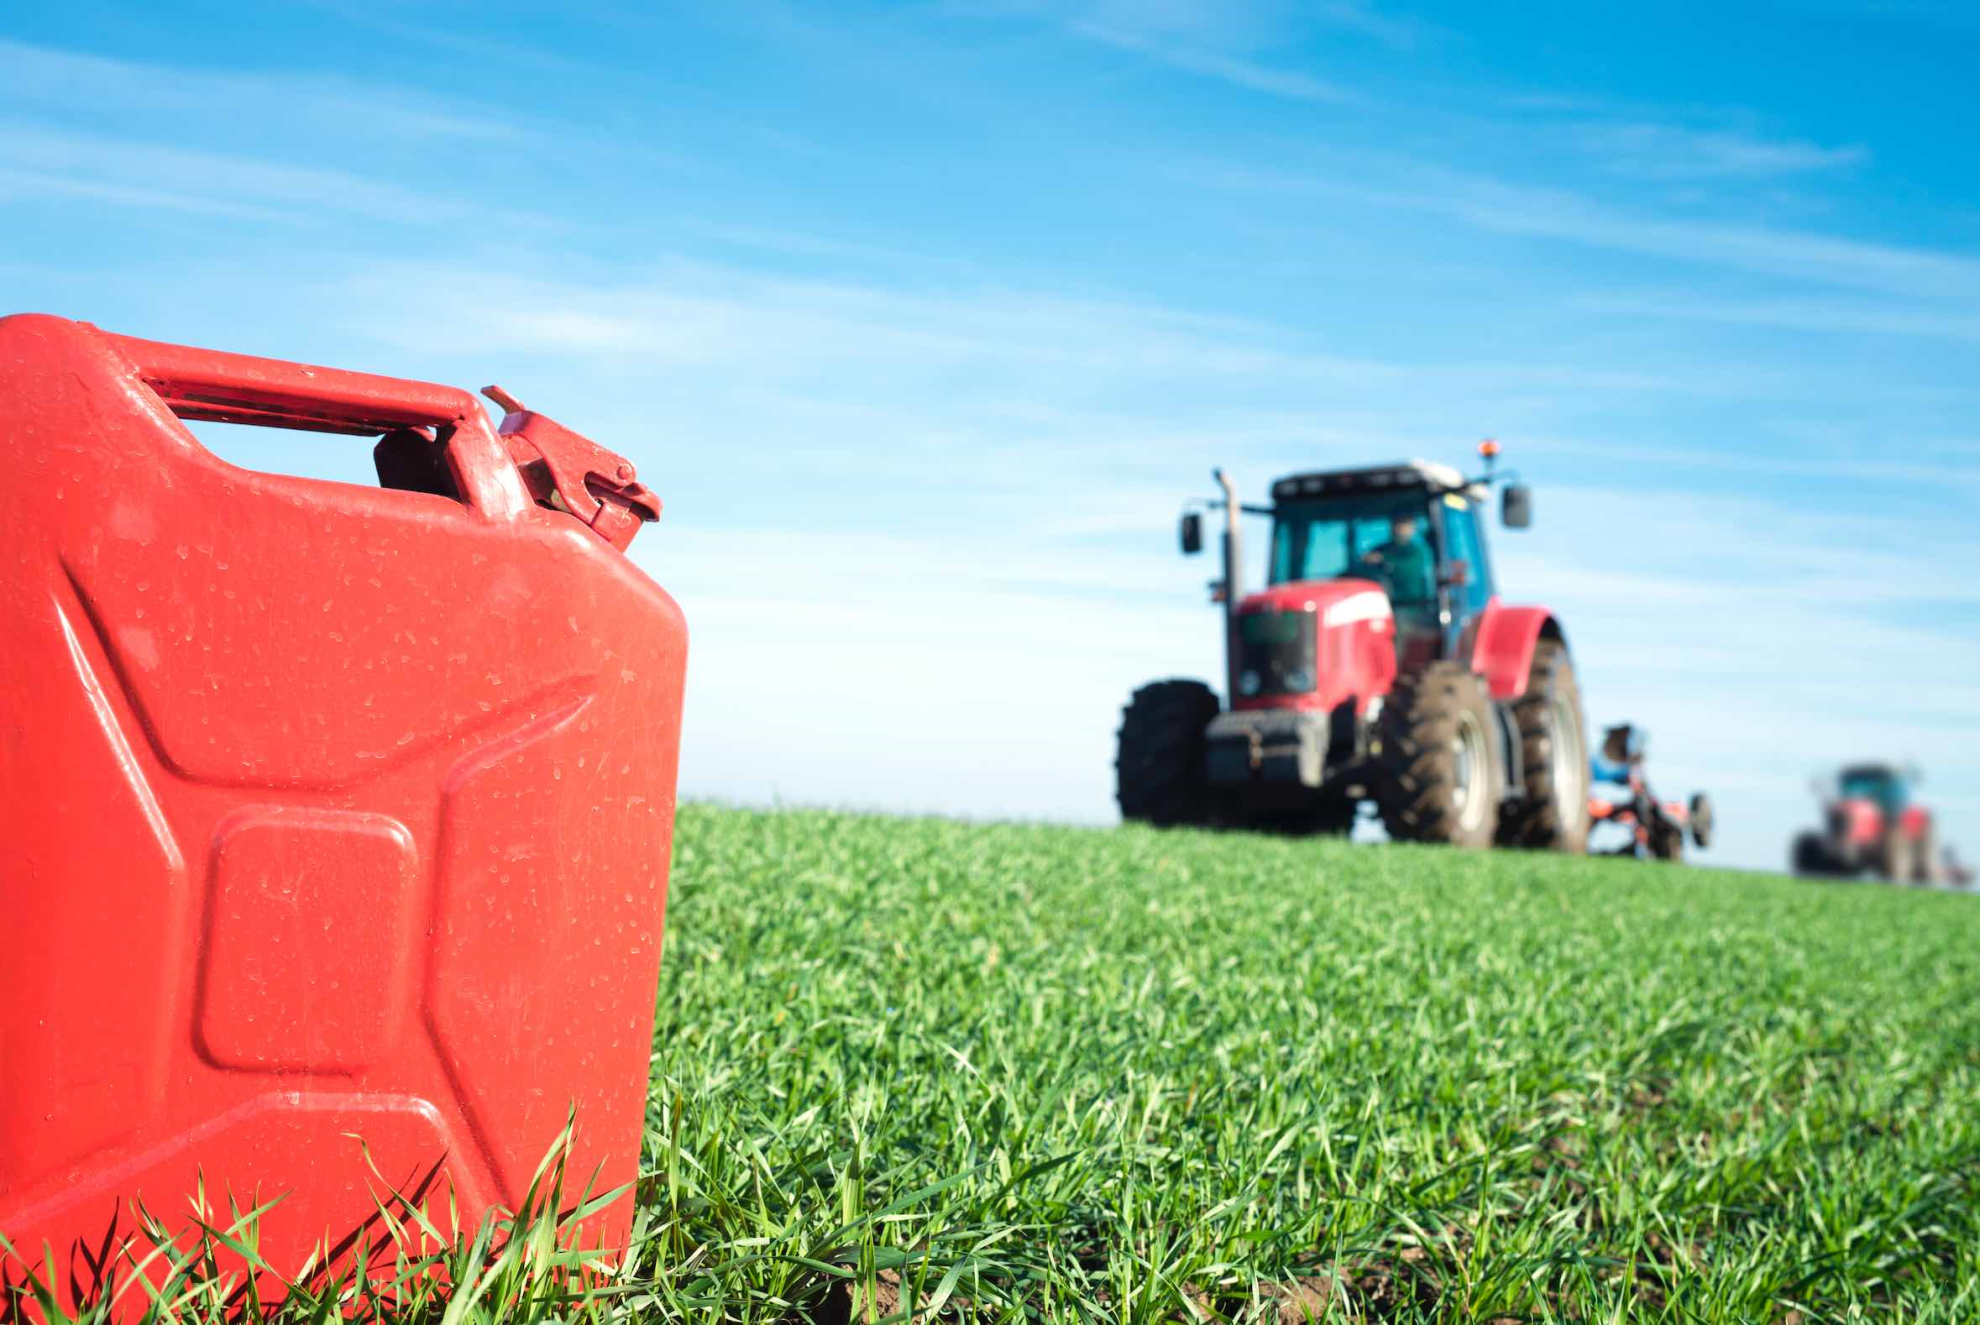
(1656,828)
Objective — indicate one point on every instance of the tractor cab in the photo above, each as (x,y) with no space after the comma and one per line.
(1414,529)
(1881,785)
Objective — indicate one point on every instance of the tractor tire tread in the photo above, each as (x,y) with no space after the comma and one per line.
(1535,821)
(1158,765)
(1415,789)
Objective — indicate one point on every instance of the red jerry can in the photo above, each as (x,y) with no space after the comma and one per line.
(327,812)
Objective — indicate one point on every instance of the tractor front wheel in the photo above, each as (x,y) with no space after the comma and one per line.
(1812,857)
(1441,776)
(1553,814)
(1158,767)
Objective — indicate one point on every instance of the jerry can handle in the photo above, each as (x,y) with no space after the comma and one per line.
(215,386)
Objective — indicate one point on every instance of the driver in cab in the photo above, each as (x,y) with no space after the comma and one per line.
(1403,565)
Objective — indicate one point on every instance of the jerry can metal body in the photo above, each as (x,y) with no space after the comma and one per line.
(334,821)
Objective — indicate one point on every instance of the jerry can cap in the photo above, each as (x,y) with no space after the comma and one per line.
(569,472)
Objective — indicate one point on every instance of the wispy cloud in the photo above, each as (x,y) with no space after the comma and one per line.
(1671,152)
(20,185)
(1361,16)
(1240,70)
(1880,465)
(985,342)
(1490,204)
(36,161)
(1847,317)
(49,78)
(1225,40)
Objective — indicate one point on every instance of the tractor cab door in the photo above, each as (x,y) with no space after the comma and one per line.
(1464,573)
(1411,584)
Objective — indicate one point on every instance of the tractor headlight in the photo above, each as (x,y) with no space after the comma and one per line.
(1300,680)
(1249,683)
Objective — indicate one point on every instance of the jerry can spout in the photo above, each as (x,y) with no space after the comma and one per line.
(569,472)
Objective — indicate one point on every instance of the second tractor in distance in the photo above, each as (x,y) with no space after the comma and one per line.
(1377,664)
(1871,824)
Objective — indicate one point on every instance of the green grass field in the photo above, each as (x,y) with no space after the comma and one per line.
(1155,1074)
(1016,1072)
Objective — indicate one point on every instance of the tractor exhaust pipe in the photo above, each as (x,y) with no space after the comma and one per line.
(1233,588)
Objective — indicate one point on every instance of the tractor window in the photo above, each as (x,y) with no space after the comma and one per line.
(1874,784)
(1319,550)
(1329,538)
(1371,532)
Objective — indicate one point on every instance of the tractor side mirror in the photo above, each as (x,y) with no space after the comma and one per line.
(1192,534)
(1516,506)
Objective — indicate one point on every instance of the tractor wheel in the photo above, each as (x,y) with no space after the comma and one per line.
(1158,770)
(1553,814)
(1440,773)
(1894,859)
(1812,858)
(1701,820)
(1925,869)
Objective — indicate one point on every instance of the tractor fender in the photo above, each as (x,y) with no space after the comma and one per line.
(1503,650)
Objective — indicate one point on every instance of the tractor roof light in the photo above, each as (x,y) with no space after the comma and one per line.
(1379,478)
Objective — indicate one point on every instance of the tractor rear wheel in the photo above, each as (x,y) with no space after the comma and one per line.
(1553,813)
(1441,775)
(1894,860)
(1926,869)
(1158,766)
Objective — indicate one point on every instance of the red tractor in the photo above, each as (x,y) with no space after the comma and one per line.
(1378,664)
(1871,825)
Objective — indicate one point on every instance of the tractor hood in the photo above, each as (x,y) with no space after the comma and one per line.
(1314,644)
(1338,601)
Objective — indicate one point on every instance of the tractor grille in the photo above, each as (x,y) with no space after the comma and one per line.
(1276,653)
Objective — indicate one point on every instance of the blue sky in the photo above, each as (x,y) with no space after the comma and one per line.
(924,318)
